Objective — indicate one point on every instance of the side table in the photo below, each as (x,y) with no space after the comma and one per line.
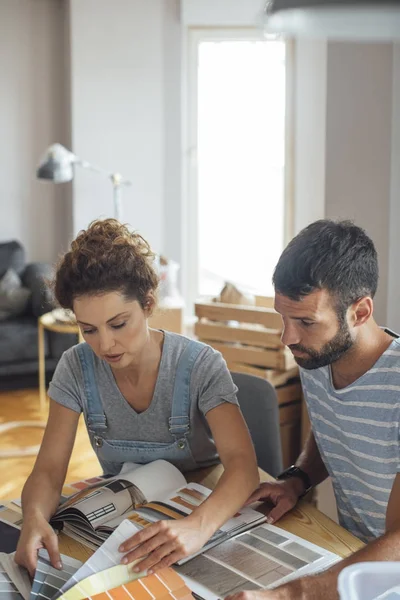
(49,322)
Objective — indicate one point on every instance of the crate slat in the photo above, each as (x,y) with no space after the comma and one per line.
(218,311)
(265,301)
(290,413)
(264,338)
(289,393)
(276,378)
(259,357)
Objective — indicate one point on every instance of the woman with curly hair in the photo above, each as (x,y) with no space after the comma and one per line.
(145,395)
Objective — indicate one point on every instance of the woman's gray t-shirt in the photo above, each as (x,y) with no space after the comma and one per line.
(210,385)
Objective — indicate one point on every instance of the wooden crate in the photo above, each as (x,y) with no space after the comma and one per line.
(290,412)
(247,336)
(276,378)
(168,318)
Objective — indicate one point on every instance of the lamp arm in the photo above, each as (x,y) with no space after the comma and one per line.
(116,178)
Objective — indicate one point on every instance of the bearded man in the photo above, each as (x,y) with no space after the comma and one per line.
(325,282)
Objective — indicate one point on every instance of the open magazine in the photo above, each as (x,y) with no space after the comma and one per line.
(143,494)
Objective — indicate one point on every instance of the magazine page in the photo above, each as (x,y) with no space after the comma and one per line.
(180,504)
(182,501)
(263,557)
(109,498)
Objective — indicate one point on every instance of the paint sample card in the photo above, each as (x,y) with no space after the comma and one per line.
(105,557)
(263,557)
(8,590)
(18,575)
(101,582)
(163,585)
(48,580)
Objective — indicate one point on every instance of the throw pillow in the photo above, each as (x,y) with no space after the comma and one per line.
(14,298)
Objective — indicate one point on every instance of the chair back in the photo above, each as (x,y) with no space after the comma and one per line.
(259,404)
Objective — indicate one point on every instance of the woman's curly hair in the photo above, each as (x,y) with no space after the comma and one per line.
(106,257)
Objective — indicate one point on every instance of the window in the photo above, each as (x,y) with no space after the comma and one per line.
(238,124)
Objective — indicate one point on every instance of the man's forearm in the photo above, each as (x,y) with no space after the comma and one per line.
(311,462)
(325,585)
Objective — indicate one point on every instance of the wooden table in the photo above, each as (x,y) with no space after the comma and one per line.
(305,521)
(49,322)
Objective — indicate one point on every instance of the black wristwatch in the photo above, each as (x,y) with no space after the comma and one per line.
(294,471)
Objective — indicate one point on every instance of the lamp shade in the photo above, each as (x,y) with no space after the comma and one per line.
(377,20)
(57,164)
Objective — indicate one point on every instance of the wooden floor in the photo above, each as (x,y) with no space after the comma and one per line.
(23,405)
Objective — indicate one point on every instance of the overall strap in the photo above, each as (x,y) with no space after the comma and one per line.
(179,422)
(95,417)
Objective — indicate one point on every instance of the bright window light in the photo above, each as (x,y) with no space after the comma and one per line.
(240,162)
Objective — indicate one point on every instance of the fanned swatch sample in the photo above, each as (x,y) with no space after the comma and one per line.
(105,557)
(48,580)
(8,590)
(101,582)
(18,576)
(163,585)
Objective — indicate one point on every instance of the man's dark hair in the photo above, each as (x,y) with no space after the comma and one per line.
(334,255)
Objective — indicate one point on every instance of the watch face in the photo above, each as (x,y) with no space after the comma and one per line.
(292,470)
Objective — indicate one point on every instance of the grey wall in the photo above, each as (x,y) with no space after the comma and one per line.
(359,144)
(32,109)
(393,305)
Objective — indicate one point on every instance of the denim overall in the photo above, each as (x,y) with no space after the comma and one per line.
(112,454)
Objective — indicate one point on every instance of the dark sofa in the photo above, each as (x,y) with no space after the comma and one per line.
(19,335)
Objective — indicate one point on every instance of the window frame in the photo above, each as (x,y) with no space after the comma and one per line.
(196,35)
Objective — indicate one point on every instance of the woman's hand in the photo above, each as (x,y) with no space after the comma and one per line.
(37,533)
(164,543)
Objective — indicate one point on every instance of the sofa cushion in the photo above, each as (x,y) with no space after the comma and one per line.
(19,340)
(14,298)
(12,256)
(36,277)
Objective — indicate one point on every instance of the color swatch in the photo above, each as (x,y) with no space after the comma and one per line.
(163,585)
(105,557)
(101,582)
(48,580)
(8,590)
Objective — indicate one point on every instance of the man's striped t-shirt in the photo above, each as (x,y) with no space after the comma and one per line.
(357,432)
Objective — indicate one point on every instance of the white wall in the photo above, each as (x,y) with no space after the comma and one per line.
(32,108)
(222,13)
(309,131)
(117,81)
(173,65)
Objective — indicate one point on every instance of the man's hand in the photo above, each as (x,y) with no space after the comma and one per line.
(283,494)
(290,591)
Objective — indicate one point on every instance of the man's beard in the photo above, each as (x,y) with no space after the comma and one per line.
(330,352)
